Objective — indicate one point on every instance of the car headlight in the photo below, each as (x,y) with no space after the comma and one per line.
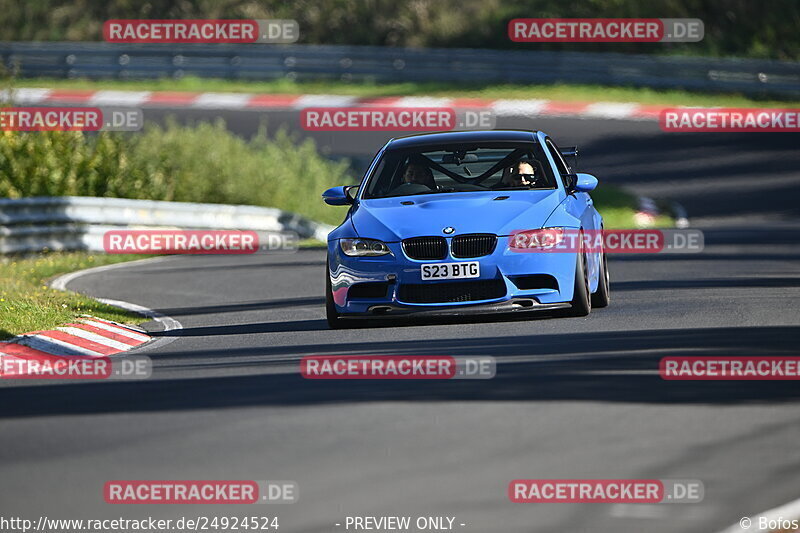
(363,247)
(545,238)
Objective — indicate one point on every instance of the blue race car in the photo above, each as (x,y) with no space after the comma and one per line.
(434,226)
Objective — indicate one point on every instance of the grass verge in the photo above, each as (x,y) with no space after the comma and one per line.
(562,92)
(28,304)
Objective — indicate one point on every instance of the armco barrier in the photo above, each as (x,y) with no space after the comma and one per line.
(386,64)
(78,223)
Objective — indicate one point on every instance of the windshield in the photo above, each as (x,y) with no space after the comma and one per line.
(460,169)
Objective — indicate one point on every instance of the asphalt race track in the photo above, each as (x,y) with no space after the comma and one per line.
(572,399)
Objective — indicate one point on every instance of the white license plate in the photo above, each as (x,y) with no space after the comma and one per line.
(471,269)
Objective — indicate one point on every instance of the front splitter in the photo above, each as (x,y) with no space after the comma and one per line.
(516,305)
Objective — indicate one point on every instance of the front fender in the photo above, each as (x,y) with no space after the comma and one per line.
(561,218)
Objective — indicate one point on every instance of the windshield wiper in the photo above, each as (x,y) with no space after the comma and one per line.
(437,191)
(432,191)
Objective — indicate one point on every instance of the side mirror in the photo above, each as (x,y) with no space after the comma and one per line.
(339,195)
(581,182)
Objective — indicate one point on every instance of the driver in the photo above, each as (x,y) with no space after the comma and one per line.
(419,174)
(521,175)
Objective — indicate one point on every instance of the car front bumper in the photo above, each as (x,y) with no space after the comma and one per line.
(501,268)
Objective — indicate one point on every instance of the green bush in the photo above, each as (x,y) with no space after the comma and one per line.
(201,163)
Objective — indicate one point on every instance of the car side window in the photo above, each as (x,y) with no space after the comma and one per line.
(561,165)
(374,184)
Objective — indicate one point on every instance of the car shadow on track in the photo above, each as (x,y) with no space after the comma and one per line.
(593,367)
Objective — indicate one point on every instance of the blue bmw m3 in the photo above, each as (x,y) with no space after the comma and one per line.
(436,224)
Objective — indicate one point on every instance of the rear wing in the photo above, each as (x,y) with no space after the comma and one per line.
(570,151)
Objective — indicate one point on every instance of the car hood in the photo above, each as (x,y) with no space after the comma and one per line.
(389,220)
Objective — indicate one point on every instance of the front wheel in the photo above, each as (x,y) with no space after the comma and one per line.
(603,294)
(581,298)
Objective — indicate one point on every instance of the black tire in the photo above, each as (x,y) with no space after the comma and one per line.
(602,296)
(581,298)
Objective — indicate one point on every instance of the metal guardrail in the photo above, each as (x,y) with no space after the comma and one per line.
(385,64)
(78,222)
